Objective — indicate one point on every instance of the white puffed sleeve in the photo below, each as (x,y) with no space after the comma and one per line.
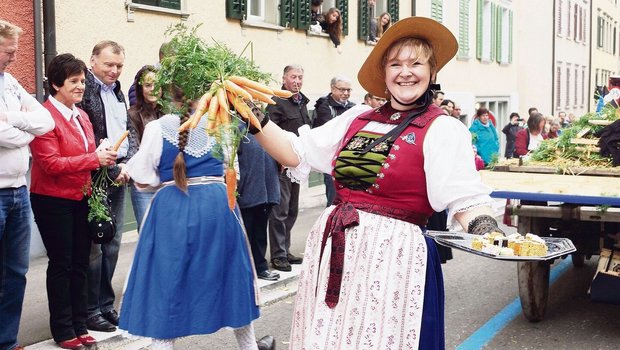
(317,147)
(451,177)
(142,167)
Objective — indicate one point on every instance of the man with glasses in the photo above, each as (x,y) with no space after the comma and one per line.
(325,109)
(21,119)
(373,101)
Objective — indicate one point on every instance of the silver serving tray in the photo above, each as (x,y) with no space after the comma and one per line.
(556,246)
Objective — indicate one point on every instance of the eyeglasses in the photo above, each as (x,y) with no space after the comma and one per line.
(343,89)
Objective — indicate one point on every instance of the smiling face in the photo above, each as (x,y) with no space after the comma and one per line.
(107,66)
(333,17)
(407,76)
(148,86)
(71,91)
(385,19)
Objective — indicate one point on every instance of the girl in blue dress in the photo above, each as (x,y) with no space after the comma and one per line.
(192,272)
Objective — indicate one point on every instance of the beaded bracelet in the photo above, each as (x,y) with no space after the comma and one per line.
(482,224)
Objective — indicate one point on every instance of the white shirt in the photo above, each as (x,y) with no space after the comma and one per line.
(451,178)
(26,118)
(534,141)
(115,116)
(71,115)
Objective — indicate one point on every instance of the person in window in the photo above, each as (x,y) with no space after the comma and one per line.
(332,25)
(315,11)
(369,275)
(529,139)
(384,21)
(485,136)
(62,163)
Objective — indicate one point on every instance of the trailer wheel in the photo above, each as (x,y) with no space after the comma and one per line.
(533,289)
(533,278)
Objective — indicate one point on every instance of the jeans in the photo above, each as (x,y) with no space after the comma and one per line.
(140,202)
(15,219)
(103,258)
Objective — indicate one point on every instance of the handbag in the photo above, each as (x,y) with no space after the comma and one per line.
(605,287)
(102,230)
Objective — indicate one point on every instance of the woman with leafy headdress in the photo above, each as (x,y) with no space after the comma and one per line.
(192,272)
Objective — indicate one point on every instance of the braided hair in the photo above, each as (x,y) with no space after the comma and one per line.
(179,169)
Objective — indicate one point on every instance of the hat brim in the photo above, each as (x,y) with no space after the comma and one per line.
(372,73)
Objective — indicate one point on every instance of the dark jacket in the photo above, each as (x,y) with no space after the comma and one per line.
(511,131)
(326,108)
(288,114)
(259,182)
(93,106)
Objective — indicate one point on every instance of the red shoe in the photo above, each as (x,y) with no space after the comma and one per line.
(87,340)
(74,343)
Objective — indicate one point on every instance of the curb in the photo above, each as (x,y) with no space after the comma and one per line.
(271,292)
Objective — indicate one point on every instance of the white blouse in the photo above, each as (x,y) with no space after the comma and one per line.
(451,177)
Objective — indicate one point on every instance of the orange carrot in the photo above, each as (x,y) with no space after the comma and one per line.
(236,89)
(201,109)
(214,105)
(282,93)
(231,186)
(221,99)
(257,95)
(254,121)
(239,105)
(223,116)
(118,143)
(243,81)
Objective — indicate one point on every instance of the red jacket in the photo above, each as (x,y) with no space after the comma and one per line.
(522,141)
(61,166)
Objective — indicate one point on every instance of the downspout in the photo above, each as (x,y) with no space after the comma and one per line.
(591,69)
(38,51)
(553,62)
(49,32)
(413,7)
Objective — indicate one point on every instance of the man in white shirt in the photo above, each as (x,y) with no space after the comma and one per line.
(104,102)
(21,119)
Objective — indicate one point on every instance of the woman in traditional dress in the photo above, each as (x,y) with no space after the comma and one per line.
(370,279)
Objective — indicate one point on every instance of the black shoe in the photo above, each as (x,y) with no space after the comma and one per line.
(111,316)
(268,275)
(295,260)
(266,343)
(281,264)
(99,324)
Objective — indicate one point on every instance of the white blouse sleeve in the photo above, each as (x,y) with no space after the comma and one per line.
(451,178)
(142,167)
(317,147)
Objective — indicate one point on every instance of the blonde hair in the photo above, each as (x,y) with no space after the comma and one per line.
(422,50)
(9,30)
(380,28)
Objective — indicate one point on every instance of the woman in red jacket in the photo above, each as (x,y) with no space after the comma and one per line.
(62,162)
(528,139)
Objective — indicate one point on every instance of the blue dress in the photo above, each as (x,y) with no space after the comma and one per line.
(192,273)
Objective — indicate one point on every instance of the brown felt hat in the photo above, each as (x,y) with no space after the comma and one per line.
(372,74)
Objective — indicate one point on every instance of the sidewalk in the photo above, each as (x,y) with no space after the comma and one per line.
(270,292)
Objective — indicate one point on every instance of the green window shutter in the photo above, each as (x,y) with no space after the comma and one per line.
(169,4)
(463,28)
(236,8)
(510,30)
(392,8)
(479,28)
(437,10)
(287,13)
(498,37)
(493,29)
(363,22)
(302,14)
(343,6)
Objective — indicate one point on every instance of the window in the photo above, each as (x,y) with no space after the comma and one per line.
(365,12)
(558,88)
(567,87)
(169,4)
(463,28)
(493,32)
(583,86)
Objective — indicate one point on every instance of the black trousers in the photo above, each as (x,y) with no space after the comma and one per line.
(255,221)
(63,227)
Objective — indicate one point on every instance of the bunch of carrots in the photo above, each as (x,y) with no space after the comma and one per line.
(217,104)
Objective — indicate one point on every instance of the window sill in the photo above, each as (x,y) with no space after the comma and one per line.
(263,25)
(311,33)
(463,57)
(131,7)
